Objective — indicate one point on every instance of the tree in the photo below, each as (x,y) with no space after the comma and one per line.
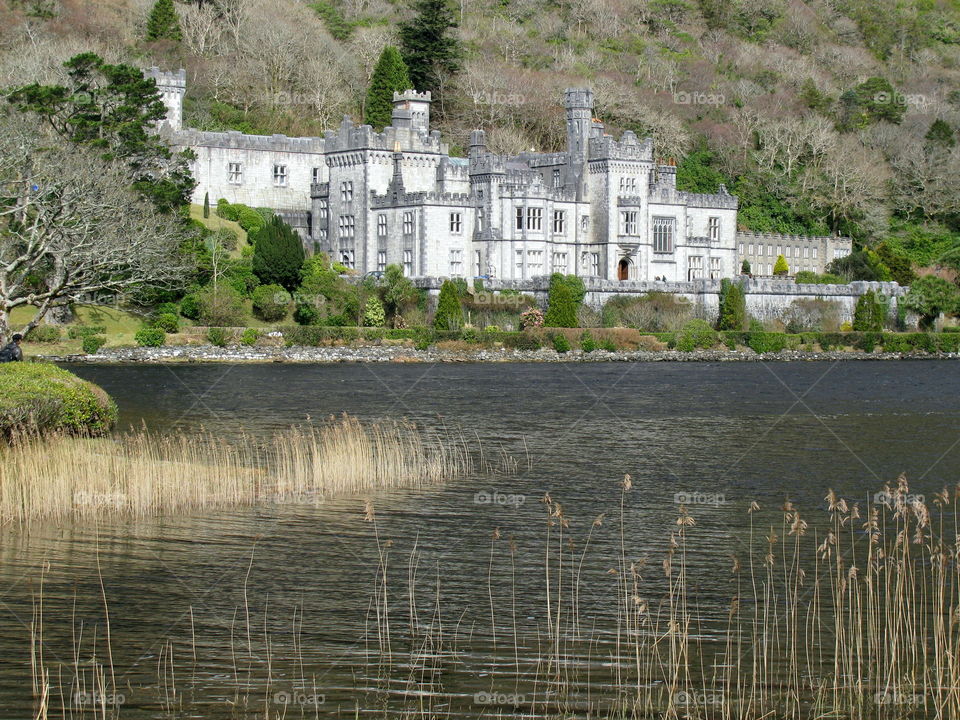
(72,230)
(389,76)
(564,297)
(163,22)
(271,302)
(206,205)
(733,307)
(278,254)
(397,293)
(870,312)
(780,267)
(900,267)
(113,109)
(745,267)
(373,313)
(929,296)
(860,265)
(449,315)
(429,51)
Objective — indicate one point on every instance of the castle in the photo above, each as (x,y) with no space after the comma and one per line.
(604,208)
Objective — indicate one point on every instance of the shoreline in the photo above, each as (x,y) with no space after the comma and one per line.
(190,354)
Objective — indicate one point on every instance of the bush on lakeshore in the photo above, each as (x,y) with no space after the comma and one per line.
(78,332)
(587,343)
(150,337)
(271,302)
(44,334)
(167,322)
(217,336)
(560,343)
(249,337)
(733,307)
(870,312)
(767,342)
(41,397)
(91,344)
(221,306)
(564,298)
(654,311)
(190,306)
(696,334)
(449,315)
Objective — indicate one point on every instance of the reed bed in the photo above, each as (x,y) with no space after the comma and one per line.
(141,473)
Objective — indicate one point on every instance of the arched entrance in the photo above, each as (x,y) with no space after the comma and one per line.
(623,269)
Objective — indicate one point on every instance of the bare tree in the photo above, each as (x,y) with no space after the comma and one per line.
(71,229)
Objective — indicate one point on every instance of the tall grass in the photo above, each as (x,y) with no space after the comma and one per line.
(142,474)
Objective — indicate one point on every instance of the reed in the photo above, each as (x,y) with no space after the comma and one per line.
(141,473)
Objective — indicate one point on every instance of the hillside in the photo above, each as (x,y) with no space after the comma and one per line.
(824,116)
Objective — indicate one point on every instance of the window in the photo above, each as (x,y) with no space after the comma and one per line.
(323,210)
(534,218)
(560,262)
(315,176)
(346,191)
(381,225)
(556,177)
(408,223)
(814,253)
(480,220)
(456,263)
(519,273)
(456,223)
(694,267)
(629,222)
(663,228)
(713,230)
(628,185)
(595,264)
(346,257)
(478,262)
(779,251)
(741,248)
(769,249)
(838,253)
(789,251)
(280,175)
(519,224)
(535,262)
(347,226)
(408,262)
(235,173)
(749,249)
(715,269)
(381,260)
(559,221)
(806,252)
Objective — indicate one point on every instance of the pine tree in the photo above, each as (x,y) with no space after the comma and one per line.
(745,267)
(163,23)
(277,254)
(869,312)
(389,76)
(780,267)
(449,315)
(430,53)
(206,205)
(563,301)
(733,307)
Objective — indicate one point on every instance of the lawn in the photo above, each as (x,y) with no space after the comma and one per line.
(120,324)
(215,222)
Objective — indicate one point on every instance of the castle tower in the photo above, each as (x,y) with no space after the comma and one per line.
(578,103)
(172,87)
(411,110)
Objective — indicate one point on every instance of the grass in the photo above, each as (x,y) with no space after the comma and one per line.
(121,326)
(141,474)
(215,222)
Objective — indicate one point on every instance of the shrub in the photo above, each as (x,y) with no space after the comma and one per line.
(587,343)
(278,254)
(531,318)
(767,342)
(949,343)
(929,296)
(150,336)
(423,338)
(608,345)
(271,302)
(745,267)
(733,307)
(373,313)
(449,315)
(564,297)
(217,336)
(43,397)
(221,306)
(655,311)
(696,334)
(249,337)
(168,322)
(560,343)
(780,267)
(190,306)
(870,312)
(812,315)
(808,277)
(44,334)
(78,332)
(868,341)
(471,335)
(92,343)
(892,342)
(523,341)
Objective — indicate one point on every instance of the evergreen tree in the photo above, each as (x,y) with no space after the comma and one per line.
(206,205)
(428,49)
(389,76)
(733,307)
(563,301)
(277,254)
(780,267)
(745,267)
(449,315)
(163,23)
(869,312)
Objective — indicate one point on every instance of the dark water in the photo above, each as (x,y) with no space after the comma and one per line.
(305,579)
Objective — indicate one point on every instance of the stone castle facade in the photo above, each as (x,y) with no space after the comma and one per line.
(603,208)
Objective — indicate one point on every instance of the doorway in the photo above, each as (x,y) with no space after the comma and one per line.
(623,269)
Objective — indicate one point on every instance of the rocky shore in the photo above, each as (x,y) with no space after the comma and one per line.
(386,354)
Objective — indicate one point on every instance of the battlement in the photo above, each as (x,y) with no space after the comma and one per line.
(627,148)
(411,95)
(167,80)
(488,163)
(235,140)
(769,237)
(419,198)
(723,199)
(578,98)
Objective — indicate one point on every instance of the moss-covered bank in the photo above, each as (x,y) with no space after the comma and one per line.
(40,397)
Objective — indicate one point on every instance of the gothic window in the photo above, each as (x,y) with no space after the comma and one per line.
(381,260)
(663,233)
(480,220)
(560,262)
(814,253)
(694,267)
(556,177)
(408,223)
(323,210)
(770,250)
(347,226)
(519,223)
(715,270)
(381,225)
(478,262)
(595,264)
(584,222)
(741,248)
(629,222)
(456,263)
(806,252)
(346,257)
(713,230)
(235,173)
(535,262)
(534,218)
(456,223)
(315,176)
(408,262)
(559,221)
(346,191)
(280,175)
(779,250)
(519,274)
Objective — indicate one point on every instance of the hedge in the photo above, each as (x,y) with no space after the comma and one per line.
(41,397)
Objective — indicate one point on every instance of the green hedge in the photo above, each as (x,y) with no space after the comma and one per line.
(40,397)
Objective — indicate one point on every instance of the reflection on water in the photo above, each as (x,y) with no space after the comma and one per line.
(217,604)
